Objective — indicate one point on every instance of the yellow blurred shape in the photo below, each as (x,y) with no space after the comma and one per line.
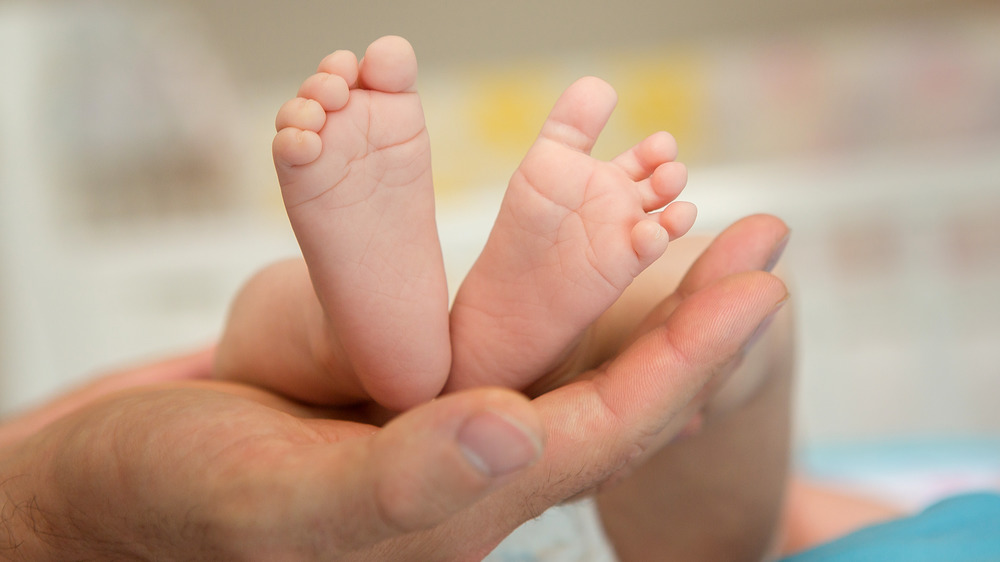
(506,107)
(663,93)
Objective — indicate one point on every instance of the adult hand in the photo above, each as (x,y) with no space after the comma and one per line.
(720,488)
(201,469)
(211,469)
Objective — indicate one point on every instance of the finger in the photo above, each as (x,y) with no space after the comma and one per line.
(753,243)
(580,114)
(422,468)
(665,367)
(596,427)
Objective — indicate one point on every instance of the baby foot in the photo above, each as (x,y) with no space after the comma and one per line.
(571,235)
(353,160)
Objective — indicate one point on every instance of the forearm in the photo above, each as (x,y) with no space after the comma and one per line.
(28,517)
(715,495)
(23,522)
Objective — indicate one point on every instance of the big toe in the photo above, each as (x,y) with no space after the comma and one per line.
(580,114)
(389,65)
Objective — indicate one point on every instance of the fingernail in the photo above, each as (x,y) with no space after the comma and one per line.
(779,249)
(497,445)
(761,328)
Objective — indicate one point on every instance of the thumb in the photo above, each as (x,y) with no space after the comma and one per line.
(423,467)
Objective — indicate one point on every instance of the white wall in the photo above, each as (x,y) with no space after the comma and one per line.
(137,191)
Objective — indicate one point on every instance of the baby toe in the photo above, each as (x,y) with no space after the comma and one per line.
(295,147)
(678,218)
(663,186)
(640,161)
(329,90)
(301,113)
(389,65)
(343,64)
(649,240)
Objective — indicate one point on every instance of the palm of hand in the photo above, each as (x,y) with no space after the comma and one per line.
(207,462)
(215,469)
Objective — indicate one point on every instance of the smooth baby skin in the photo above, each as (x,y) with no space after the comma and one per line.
(353,160)
(572,233)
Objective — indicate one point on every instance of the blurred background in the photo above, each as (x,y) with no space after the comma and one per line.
(137,192)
